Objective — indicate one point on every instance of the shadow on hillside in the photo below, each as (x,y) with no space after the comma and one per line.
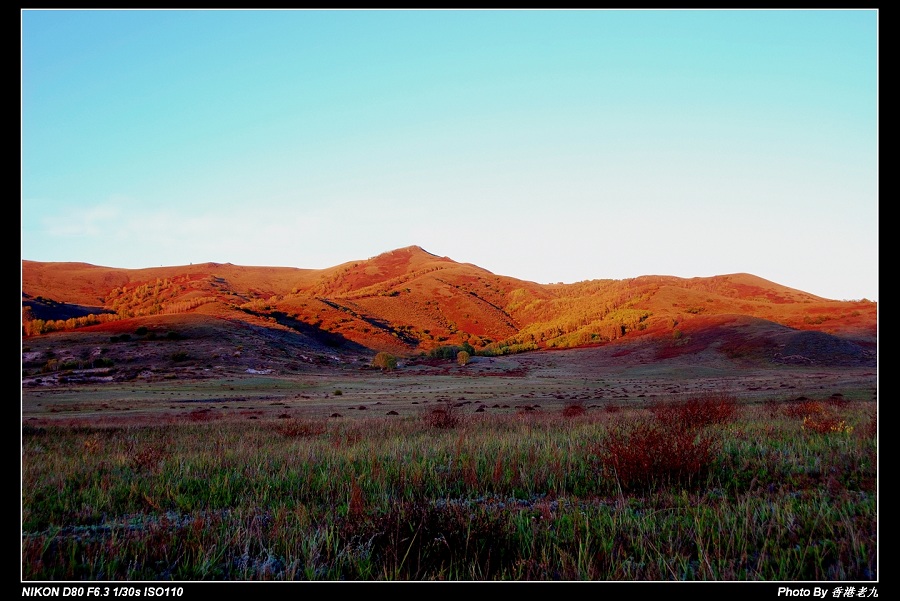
(820,348)
(49,309)
(329,339)
(380,324)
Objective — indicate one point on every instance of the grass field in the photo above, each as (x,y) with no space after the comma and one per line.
(540,473)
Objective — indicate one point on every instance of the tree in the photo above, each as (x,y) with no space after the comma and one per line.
(385,361)
(462,357)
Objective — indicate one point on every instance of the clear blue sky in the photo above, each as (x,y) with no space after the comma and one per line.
(545,145)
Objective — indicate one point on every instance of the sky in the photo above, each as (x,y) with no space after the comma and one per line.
(550,146)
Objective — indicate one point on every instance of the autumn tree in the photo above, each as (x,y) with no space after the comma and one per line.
(385,361)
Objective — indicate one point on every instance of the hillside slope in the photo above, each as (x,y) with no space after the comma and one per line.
(409,301)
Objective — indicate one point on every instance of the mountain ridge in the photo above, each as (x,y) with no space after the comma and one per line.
(410,301)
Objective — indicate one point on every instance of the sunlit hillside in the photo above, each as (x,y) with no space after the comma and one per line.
(409,301)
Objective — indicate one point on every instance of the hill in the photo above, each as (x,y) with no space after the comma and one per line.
(409,301)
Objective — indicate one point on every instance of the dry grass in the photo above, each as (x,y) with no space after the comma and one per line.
(301,428)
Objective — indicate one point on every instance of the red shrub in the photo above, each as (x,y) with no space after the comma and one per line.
(444,417)
(201,415)
(803,408)
(697,412)
(574,410)
(648,453)
(301,428)
(826,422)
(818,416)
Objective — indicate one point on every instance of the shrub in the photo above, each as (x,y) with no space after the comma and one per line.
(180,356)
(819,417)
(451,351)
(823,423)
(301,428)
(444,352)
(141,331)
(802,408)
(647,453)
(574,410)
(201,415)
(385,361)
(673,448)
(697,412)
(147,459)
(444,418)
(462,357)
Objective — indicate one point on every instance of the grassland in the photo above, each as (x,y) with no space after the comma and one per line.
(535,468)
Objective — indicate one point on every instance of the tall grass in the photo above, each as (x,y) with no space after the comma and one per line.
(666,492)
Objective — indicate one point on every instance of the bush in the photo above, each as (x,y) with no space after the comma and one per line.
(802,408)
(462,357)
(301,428)
(818,417)
(697,412)
(647,453)
(672,448)
(444,418)
(444,352)
(574,410)
(451,351)
(385,361)
(825,423)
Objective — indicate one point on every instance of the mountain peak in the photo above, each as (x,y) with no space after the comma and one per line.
(413,249)
(412,257)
